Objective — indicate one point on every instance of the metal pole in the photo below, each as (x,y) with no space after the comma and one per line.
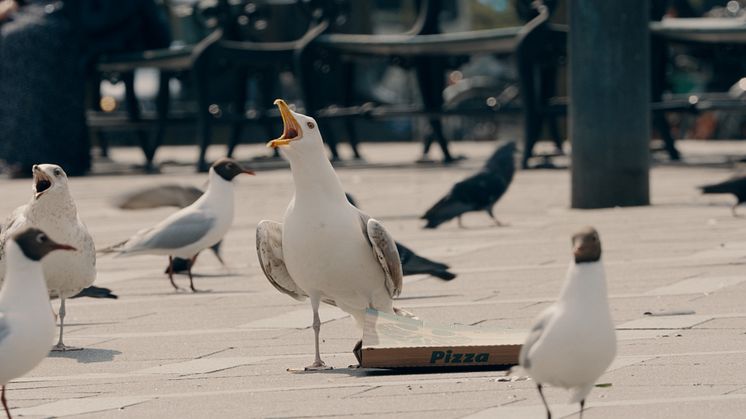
(609,48)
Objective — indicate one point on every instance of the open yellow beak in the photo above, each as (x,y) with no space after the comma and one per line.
(291,130)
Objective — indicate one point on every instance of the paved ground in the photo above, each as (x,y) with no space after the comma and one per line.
(224,353)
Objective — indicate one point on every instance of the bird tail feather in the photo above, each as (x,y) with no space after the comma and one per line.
(115,248)
(716,188)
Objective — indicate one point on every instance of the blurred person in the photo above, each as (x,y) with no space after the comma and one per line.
(46,48)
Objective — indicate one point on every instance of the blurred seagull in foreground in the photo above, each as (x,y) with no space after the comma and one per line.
(573,341)
(479,192)
(735,186)
(192,229)
(325,248)
(26,324)
(53,210)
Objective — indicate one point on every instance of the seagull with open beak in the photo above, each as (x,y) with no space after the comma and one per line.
(325,249)
(52,209)
(192,229)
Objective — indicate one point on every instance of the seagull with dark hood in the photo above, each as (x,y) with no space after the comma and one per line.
(573,341)
(26,324)
(194,228)
(479,192)
(325,249)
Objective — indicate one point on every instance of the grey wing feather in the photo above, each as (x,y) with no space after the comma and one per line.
(4,327)
(384,248)
(178,233)
(537,331)
(269,250)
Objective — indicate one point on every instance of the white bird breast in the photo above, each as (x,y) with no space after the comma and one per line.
(330,256)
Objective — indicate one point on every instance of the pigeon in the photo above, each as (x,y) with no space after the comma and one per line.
(53,210)
(170,195)
(325,249)
(735,186)
(26,324)
(192,229)
(479,192)
(573,342)
(96,292)
(414,264)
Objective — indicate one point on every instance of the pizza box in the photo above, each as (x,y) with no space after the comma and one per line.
(391,341)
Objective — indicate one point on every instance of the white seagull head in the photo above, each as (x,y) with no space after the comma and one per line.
(299,133)
(49,179)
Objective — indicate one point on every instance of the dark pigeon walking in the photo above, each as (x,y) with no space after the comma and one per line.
(479,192)
(413,264)
(735,186)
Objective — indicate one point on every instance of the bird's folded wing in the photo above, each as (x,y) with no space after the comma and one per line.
(176,232)
(4,327)
(384,248)
(269,250)
(534,335)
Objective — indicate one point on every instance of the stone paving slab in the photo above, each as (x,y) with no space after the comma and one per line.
(225,353)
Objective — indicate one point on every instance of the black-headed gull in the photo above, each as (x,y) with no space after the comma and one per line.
(573,341)
(26,324)
(192,229)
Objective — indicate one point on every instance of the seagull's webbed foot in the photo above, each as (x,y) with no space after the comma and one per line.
(61,347)
(318,365)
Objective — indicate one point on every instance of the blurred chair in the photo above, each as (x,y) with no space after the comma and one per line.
(176,61)
(252,45)
(430,54)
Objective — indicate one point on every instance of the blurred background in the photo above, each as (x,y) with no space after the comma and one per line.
(80,77)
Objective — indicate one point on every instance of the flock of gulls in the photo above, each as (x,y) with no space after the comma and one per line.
(324,249)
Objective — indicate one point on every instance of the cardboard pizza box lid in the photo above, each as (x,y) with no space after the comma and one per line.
(391,341)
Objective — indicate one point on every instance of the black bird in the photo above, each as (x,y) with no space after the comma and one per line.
(413,264)
(169,195)
(479,192)
(96,292)
(735,186)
